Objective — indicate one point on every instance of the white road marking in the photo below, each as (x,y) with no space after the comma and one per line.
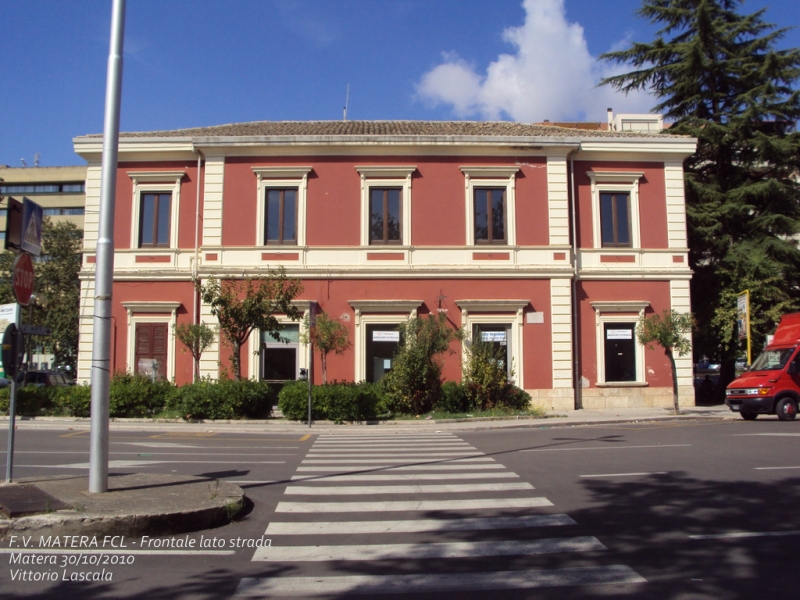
(363,552)
(722,536)
(768,434)
(245,481)
(157,444)
(391,436)
(358,490)
(605,448)
(417,525)
(404,454)
(773,468)
(625,474)
(393,468)
(356,445)
(403,477)
(410,505)
(418,583)
(321,461)
(120,464)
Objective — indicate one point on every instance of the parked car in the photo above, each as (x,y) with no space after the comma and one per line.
(45,379)
(706,365)
(772,383)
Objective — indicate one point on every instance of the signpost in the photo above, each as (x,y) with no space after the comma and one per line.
(13,348)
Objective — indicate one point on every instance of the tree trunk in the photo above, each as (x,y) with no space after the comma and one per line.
(324,363)
(675,398)
(236,359)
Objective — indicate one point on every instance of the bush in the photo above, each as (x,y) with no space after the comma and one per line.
(34,401)
(73,400)
(486,379)
(133,395)
(336,401)
(454,399)
(225,399)
(414,384)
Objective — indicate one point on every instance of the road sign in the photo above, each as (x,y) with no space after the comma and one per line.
(32,216)
(13,225)
(22,279)
(34,330)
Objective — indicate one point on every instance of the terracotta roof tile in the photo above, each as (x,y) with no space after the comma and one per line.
(381,128)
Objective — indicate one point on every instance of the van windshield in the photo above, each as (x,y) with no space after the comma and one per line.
(772,360)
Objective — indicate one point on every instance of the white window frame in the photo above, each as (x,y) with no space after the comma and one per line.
(372,312)
(153,182)
(619,312)
(491,177)
(281,177)
(152,312)
(386,176)
(253,366)
(626,182)
(496,312)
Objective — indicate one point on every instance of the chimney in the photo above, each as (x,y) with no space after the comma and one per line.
(610,117)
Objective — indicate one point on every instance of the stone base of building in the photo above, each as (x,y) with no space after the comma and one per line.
(611,397)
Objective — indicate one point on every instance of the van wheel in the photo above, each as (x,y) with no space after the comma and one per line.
(749,416)
(786,409)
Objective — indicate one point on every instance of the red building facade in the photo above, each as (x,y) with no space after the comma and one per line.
(548,241)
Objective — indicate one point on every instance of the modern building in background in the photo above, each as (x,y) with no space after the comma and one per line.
(548,241)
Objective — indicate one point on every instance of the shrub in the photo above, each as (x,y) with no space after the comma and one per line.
(336,401)
(225,399)
(133,395)
(35,401)
(454,399)
(414,384)
(73,400)
(486,379)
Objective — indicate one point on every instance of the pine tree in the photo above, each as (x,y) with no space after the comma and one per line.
(719,77)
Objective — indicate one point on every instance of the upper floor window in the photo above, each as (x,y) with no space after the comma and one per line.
(615,208)
(156,206)
(385,212)
(50,212)
(490,215)
(154,227)
(281,216)
(615,220)
(386,204)
(41,188)
(490,200)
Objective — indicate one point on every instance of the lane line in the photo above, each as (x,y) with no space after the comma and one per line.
(403,477)
(119,464)
(773,468)
(417,525)
(381,454)
(320,461)
(393,468)
(722,536)
(410,505)
(365,552)
(358,490)
(378,585)
(625,474)
(767,434)
(605,448)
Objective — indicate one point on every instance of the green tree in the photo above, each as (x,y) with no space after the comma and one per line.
(672,331)
(197,338)
(414,384)
(56,282)
(717,74)
(244,305)
(328,335)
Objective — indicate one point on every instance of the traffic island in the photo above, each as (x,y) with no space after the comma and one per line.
(135,504)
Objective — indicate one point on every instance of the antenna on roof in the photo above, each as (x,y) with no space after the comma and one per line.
(36,159)
(22,160)
(346,101)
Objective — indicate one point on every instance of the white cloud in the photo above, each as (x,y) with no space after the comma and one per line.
(551,75)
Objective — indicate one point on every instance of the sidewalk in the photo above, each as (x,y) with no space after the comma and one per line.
(159,505)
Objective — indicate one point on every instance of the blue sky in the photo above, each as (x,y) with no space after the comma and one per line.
(194,63)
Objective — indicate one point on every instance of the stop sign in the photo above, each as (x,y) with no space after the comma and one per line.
(22,279)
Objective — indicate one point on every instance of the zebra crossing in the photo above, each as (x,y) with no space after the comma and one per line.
(421,489)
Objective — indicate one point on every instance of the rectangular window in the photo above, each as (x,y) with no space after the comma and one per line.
(154,220)
(278,358)
(385,216)
(490,215)
(619,344)
(280,226)
(151,349)
(615,220)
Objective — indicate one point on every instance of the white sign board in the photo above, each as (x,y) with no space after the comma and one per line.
(9,313)
(619,334)
(493,336)
(385,336)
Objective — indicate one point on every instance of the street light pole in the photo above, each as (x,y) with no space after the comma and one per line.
(104,271)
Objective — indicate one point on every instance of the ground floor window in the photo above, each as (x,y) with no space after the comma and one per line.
(280,360)
(619,345)
(383,341)
(151,343)
(498,335)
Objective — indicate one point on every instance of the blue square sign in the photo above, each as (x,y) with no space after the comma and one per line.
(31,236)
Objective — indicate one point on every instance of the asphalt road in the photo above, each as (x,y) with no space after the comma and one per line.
(671,510)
